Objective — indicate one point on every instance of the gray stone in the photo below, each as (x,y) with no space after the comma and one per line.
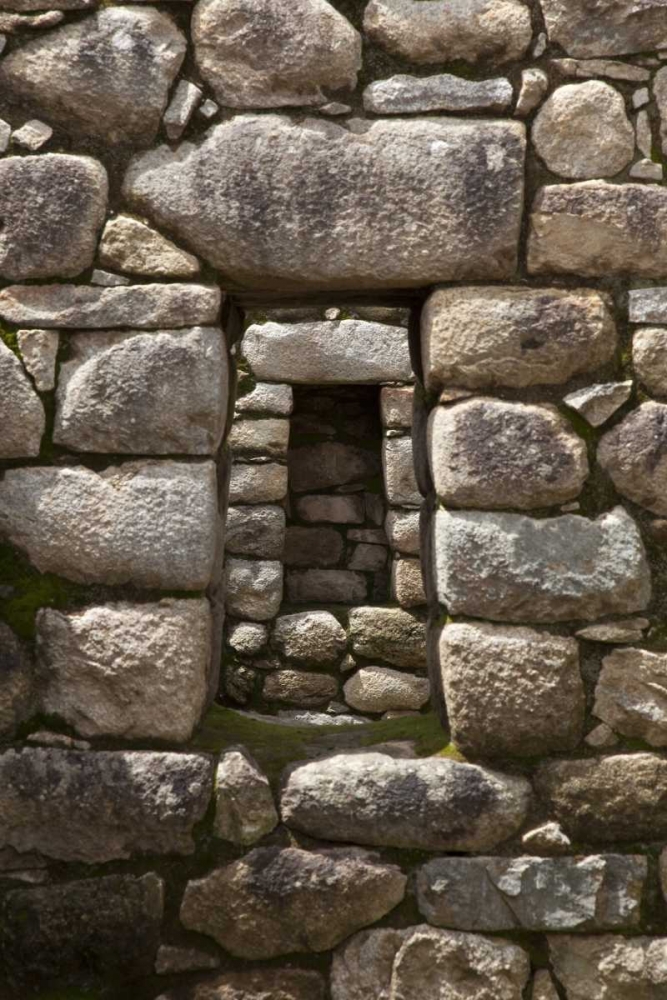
(611,68)
(549,838)
(543,986)
(534,86)
(135,247)
(390,634)
(173,959)
(368,558)
(130,671)
(400,95)
(644,133)
(265,54)
(582,131)
(110,925)
(396,405)
(622,797)
(254,588)
(509,567)
(267,437)
(511,691)
(407,583)
(52,208)
(208,109)
(634,455)
(159,393)
(660,94)
(257,530)
(247,638)
(326,586)
(256,984)
(610,967)
(462,179)
(613,29)
(593,893)
(379,689)
(402,528)
(279,901)
(630,694)
(312,546)
(123,59)
(267,398)
(181,108)
(399,473)
(310,637)
(647,305)
(601,737)
(321,466)
(79,805)
(244,807)
(646,170)
(494,31)
(338,352)
(108,279)
(480,338)
(27,5)
(490,453)
(153,524)
(430,804)
(297,687)
(641,97)
(621,630)
(16,682)
(597,403)
(22,418)
(596,229)
(254,484)
(87,307)
(34,134)
(331,509)
(649,358)
(39,350)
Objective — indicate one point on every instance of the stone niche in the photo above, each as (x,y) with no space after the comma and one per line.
(325,602)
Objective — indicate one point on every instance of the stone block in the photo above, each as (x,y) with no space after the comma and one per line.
(649,359)
(254,588)
(267,397)
(298,687)
(256,984)
(310,637)
(22,417)
(331,509)
(400,482)
(244,807)
(401,95)
(256,530)
(368,558)
(267,437)
(633,455)
(629,695)
(609,967)
(396,403)
(247,638)
(39,350)
(326,586)
(312,546)
(598,403)
(647,305)
(332,463)
(617,28)
(407,584)
(255,483)
(130,245)
(402,529)
(381,689)
(390,634)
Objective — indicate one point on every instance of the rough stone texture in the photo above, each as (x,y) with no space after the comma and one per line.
(402,528)
(399,473)
(39,350)
(182,105)
(258,984)
(390,634)
(621,797)
(490,453)
(511,691)
(150,523)
(310,637)
(480,338)
(110,926)
(404,94)
(543,986)
(647,305)
(407,583)
(267,398)
(595,229)
(173,959)
(326,586)
(332,463)
(331,509)
(496,31)
(610,967)
(265,54)
(598,892)
(597,403)
(582,131)
(144,393)
(278,901)
(254,588)
(244,807)
(247,638)
(649,359)
(297,687)
(634,455)
(123,59)
(383,963)
(98,806)
(131,671)
(131,245)
(620,630)
(611,29)
(630,694)
(339,352)
(660,94)
(549,838)
(381,689)
(313,547)
(429,804)
(284,231)
(16,682)
(268,437)
(88,307)
(509,567)
(534,85)
(256,530)
(22,418)
(396,406)
(52,208)
(255,484)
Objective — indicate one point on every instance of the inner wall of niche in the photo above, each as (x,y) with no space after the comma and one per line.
(322,531)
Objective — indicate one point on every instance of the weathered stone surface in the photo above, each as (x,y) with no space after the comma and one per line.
(582,131)
(266,397)
(150,523)
(509,567)
(407,583)
(310,637)
(511,691)
(108,926)
(89,307)
(596,229)
(258,984)
(369,557)
(390,634)
(247,638)
(534,85)
(52,208)
(326,586)
(254,588)
(429,804)
(257,484)
(331,509)
(39,350)
(379,689)
(402,528)
(123,59)
(244,807)
(479,338)
(486,30)
(647,305)
(610,68)
(425,963)
(35,134)
(16,682)
(131,245)
(321,466)
(399,473)
(646,170)
(548,838)
(621,797)
(284,231)
(630,694)
(265,54)
(634,455)
(172,959)
(22,418)
(145,393)
(312,546)
(615,28)
(400,95)
(649,357)
(597,403)
(598,892)
(543,986)
(396,405)
(297,687)
(490,453)
(27,5)
(257,530)
(133,671)
(185,99)
(276,901)
(339,352)
(97,806)
(610,967)
(620,630)
(266,437)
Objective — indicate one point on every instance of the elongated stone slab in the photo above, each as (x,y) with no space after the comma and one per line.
(613,28)
(403,94)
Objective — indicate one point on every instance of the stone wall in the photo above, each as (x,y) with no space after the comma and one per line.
(332,500)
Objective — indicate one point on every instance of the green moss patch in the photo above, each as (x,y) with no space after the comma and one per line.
(31,590)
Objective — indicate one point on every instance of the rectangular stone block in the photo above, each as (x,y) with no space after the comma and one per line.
(326,586)
(256,531)
(396,404)
(257,482)
(647,305)
(254,588)
(402,528)
(312,546)
(267,398)
(331,509)
(268,437)
(613,28)
(400,482)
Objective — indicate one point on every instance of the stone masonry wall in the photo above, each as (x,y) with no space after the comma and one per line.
(333,471)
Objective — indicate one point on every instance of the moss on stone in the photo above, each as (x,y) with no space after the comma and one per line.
(31,590)
(9,338)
